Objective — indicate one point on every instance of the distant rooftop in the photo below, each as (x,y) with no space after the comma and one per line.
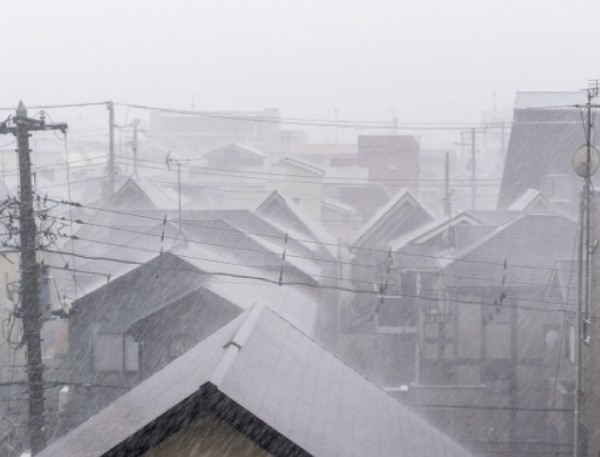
(326,149)
(549,99)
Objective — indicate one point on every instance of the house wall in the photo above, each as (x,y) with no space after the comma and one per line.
(207,437)
(304,188)
(505,352)
(9,279)
(161,337)
(342,226)
(392,160)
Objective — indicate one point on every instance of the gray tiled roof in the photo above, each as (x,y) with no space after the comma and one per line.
(542,141)
(531,245)
(280,376)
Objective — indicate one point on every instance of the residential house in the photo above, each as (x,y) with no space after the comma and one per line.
(261,387)
(338,218)
(320,247)
(386,355)
(541,146)
(302,182)
(392,160)
(131,327)
(401,215)
(478,287)
(202,132)
(364,175)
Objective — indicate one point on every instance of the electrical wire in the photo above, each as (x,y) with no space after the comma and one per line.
(241,174)
(373,291)
(240,248)
(286,175)
(301,240)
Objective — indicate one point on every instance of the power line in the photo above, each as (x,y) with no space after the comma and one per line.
(205,243)
(282,237)
(492,408)
(373,291)
(203,171)
(268,173)
(68,105)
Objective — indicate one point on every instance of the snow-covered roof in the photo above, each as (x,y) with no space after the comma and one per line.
(259,361)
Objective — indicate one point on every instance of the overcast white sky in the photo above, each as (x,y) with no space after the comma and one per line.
(436,60)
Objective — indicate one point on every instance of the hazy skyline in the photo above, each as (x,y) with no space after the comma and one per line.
(436,61)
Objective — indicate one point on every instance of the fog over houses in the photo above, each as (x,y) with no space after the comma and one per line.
(269,229)
(389,284)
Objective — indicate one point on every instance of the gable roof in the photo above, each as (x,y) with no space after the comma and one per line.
(531,244)
(530,200)
(184,272)
(279,376)
(338,207)
(400,215)
(285,214)
(305,166)
(144,193)
(226,148)
(432,229)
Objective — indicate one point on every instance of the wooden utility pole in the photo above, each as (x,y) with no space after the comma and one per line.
(111,148)
(31,310)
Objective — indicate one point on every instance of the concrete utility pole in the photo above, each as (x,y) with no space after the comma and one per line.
(448,196)
(134,145)
(31,310)
(582,314)
(111,148)
(473,171)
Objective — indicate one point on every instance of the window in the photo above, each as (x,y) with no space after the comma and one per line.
(571,345)
(557,187)
(108,352)
(417,289)
(131,353)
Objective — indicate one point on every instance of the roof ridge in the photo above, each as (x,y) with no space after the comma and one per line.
(235,345)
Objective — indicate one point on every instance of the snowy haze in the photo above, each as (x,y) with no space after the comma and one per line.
(434,61)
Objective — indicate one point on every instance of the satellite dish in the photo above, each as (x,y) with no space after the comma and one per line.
(580,161)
